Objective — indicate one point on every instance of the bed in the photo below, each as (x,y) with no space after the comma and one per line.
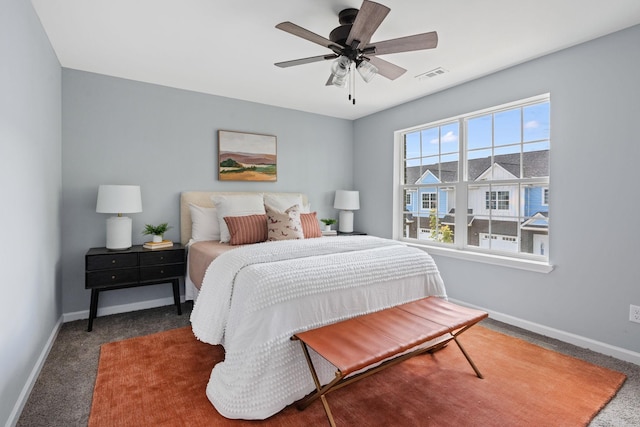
(253,297)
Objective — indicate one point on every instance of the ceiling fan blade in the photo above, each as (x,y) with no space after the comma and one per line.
(405,44)
(368,19)
(297,30)
(308,60)
(387,69)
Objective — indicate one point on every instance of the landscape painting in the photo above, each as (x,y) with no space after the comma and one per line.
(246,156)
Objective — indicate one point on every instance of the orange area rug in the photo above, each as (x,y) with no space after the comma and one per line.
(160,380)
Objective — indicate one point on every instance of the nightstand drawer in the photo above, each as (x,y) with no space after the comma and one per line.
(161,272)
(161,257)
(109,261)
(97,279)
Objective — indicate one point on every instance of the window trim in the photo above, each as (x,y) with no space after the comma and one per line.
(460,250)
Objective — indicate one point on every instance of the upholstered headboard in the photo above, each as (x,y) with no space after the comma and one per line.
(203,198)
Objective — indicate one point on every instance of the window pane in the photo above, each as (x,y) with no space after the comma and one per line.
(412,145)
(536,122)
(430,142)
(536,146)
(410,227)
(536,200)
(479,132)
(449,168)
(535,164)
(506,162)
(507,127)
(449,139)
(479,165)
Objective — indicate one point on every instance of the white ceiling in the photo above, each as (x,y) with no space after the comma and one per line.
(228,48)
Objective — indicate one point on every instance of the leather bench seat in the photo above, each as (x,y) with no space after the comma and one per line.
(357,343)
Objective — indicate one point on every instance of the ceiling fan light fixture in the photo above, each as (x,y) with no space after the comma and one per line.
(340,69)
(340,66)
(367,70)
(339,81)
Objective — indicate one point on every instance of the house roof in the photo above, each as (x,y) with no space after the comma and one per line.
(535,164)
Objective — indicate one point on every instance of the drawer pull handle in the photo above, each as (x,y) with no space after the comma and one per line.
(113,261)
(161,258)
(161,271)
(113,277)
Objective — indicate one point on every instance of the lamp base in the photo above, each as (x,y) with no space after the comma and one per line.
(345,222)
(118,233)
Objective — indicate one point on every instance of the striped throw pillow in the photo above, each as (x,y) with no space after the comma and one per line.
(247,229)
(310,226)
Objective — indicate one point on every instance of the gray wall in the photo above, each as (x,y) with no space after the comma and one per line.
(30,180)
(594,238)
(119,131)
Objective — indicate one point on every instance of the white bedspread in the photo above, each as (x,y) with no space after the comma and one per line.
(254,298)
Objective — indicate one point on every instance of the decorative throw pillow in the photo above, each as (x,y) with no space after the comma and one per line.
(247,229)
(284,225)
(204,223)
(236,205)
(310,226)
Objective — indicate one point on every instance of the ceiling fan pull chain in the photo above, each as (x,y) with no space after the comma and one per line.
(353,78)
(350,81)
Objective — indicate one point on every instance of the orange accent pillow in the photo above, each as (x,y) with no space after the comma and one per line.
(310,226)
(247,229)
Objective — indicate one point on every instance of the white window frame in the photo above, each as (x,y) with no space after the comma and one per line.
(432,200)
(459,249)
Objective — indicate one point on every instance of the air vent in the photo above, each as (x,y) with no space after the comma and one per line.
(431,73)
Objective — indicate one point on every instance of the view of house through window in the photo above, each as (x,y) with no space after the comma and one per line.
(491,165)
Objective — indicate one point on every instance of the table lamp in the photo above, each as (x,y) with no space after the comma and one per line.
(119,199)
(347,202)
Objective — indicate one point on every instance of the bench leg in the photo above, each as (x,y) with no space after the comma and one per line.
(320,391)
(473,365)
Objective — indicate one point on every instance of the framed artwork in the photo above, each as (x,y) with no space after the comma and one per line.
(246,157)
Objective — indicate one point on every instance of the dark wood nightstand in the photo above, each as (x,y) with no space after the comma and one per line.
(353,233)
(106,270)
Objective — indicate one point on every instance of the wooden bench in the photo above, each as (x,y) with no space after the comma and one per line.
(382,339)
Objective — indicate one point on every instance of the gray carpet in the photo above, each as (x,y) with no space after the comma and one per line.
(62,394)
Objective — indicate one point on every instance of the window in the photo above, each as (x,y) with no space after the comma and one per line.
(482,180)
(428,201)
(497,200)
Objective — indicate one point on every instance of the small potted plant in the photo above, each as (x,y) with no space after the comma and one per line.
(157,231)
(327,223)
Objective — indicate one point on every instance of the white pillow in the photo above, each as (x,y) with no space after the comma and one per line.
(204,223)
(236,205)
(282,202)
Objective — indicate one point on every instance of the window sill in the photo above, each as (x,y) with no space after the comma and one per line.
(503,261)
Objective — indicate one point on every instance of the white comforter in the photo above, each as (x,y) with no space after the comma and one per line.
(254,298)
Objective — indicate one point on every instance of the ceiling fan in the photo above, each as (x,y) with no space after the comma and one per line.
(351,46)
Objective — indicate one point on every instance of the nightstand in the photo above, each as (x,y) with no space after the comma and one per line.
(106,270)
(353,233)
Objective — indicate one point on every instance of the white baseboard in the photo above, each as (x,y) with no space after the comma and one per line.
(568,337)
(124,308)
(33,376)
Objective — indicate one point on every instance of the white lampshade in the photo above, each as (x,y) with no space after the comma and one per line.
(119,199)
(347,201)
